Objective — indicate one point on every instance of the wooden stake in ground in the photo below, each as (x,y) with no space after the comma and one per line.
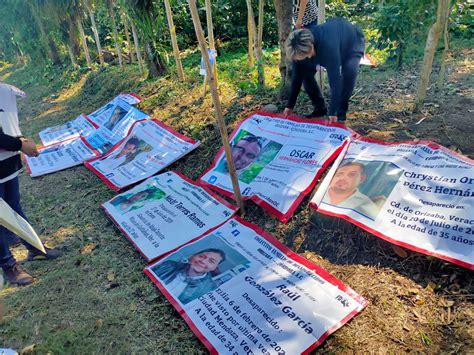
(321,20)
(258,47)
(442,69)
(431,43)
(174,42)
(96,36)
(115,32)
(137,46)
(212,44)
(251,33)
(217,103)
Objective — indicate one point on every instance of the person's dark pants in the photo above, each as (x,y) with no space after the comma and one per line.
(10,193)
(349,71)
(309,82)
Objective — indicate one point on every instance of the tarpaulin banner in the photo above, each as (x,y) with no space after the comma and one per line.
(165,212)
(81,126)
(418,195)
(278,160)
(149,147)
(101,115)
(115,126)
(243,292)
(60,156)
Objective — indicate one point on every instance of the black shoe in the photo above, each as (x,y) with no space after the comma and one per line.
(16,275)
(318,113)
(51,254)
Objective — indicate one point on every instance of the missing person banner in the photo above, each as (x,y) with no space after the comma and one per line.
(81,126)
(418,195)
(165,212)
(101,115)
(60,156)
(149,147)
(115,126)
(278,160)
(243,292)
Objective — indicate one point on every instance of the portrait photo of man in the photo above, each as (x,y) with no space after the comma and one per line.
(132,201)
(344,191)
(244,152)
(190,279)
(117,115)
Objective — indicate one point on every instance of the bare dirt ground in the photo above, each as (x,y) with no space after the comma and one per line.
(96,298)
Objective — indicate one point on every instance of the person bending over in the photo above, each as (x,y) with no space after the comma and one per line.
(336,45)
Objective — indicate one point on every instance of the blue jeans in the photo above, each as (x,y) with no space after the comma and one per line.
(10,193)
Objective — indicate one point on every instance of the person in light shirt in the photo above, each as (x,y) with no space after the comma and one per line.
(192,279)
(343,190)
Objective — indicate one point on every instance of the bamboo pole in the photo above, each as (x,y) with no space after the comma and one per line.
(127,37)
(251,32)
(96,36)
(85,47)
(258,48)
(210,37)
(174,42)
(217,104)
(137,46)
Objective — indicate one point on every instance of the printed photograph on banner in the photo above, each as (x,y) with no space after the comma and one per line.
(250,154)
(117,114)
(362,186)
(242,291)
(133,201)
(199,268)
(131,150)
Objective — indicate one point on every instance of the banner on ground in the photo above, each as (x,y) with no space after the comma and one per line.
(115,126)
(149,147)
(278,160)
(60,156)
(101,115)
(165,212)
(418,195)
(243,292)
(81,126)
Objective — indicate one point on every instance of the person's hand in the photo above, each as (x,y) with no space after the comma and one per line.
(332,119)
(298,24)
(29,147)
(287,111)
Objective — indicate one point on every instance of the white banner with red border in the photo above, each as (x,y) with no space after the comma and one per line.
(60,156)
(81,126)
(418,195)
(278,160)
(243,292)
(149,147)
(100,116)
(166,211)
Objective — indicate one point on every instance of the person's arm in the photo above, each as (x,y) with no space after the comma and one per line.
(14,144)
(301,10)
(296,82)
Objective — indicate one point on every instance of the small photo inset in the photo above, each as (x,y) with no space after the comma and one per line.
(250,154)
(199,268)
(362,186)
(132,201)
(132,147)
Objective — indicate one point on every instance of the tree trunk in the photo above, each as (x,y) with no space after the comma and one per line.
(174,42)
(156,65)
(137,46)
(71,55)
(73,41)
(284,13)
(35,11)
(96,36)
(115,32)
(431,43)
(258,49)
(251,33)
(53,50)
(85,47)
(442,69)
(127,36)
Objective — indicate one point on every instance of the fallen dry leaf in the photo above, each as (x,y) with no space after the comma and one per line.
(87,249)
(99,323)
(431,286)
(399,251)
(111,276)
(28,349)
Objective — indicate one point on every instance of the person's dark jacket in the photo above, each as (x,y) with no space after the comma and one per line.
(334,42)
(10,165)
